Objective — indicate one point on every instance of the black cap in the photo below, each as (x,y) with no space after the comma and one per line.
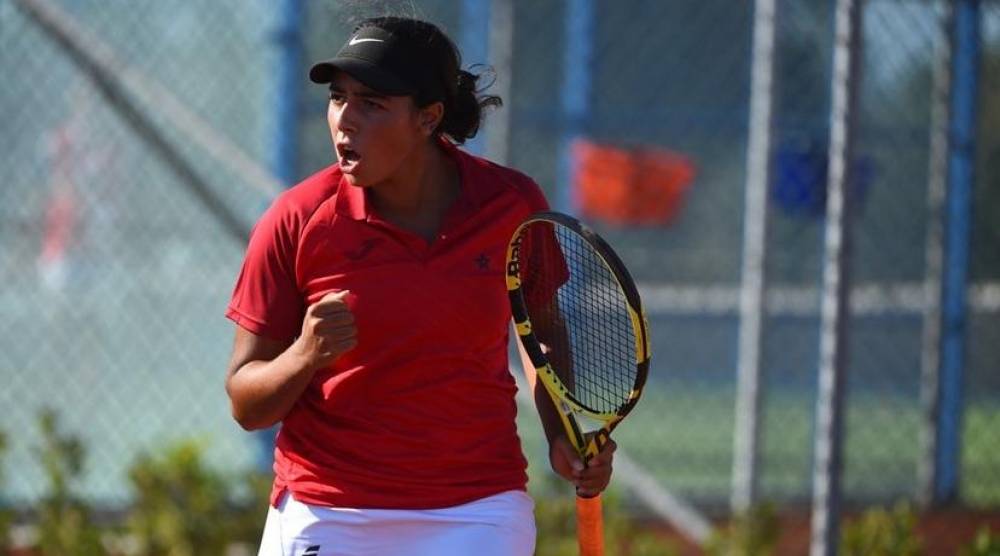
(390,64)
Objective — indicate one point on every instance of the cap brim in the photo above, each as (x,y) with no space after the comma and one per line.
(364,71)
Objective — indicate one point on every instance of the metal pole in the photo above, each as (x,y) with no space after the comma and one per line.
(502,55)
(475,50)
(284,157)
(828,465)
(746,429)
(288,41)
(961,166)
(930,356)
(575,94)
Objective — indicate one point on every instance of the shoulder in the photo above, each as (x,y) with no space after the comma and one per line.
(293,208)
(498,180)
(304,198)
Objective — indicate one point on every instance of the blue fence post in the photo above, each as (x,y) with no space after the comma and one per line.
(287,39)
(288,44)
(475,47)
(961,165)
(575,93)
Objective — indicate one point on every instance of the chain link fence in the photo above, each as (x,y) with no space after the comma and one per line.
(116,270)
(114,274)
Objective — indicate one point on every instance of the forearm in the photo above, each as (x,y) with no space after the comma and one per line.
(547,413)
(261,393)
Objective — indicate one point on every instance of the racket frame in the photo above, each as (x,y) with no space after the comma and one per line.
(587,444)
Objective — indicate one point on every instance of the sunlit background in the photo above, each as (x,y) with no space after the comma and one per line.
(140,140)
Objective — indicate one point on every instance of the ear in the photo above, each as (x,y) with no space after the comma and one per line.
(429,117)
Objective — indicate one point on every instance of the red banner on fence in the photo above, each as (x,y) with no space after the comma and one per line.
(629,186)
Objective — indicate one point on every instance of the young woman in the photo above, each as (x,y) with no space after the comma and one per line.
(372,322)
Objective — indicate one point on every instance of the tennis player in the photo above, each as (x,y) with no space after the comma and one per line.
(372,322)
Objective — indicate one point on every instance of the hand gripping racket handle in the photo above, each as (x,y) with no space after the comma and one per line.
(589,515)
(590,526)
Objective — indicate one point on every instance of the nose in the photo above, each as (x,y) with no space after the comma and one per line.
(344,116)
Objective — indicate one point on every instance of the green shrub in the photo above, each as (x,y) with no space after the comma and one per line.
(555,519)
(5,514)
(753,533)
(183,507)
(249,503)
(65,526)
(986,543)
(880,532)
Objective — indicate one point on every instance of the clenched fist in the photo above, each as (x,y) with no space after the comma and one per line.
(327,331)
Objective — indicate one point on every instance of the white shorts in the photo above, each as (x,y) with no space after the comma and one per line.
(498,525)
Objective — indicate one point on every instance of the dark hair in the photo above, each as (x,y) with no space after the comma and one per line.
(463,103)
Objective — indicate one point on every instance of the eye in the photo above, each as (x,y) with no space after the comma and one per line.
(374,104)
(337,97)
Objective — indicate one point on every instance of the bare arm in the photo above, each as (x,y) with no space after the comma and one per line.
(266,377)
(547,414)
(550,331)
(563,457)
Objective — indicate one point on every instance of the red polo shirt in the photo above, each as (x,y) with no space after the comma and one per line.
(420,414)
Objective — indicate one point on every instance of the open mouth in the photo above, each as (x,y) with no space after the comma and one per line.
(348,157)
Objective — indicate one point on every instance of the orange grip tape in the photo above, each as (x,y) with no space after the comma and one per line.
(590,526)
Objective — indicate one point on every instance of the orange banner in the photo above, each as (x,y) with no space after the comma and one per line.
(630,186)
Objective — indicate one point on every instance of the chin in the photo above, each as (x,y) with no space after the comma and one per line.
(355,180)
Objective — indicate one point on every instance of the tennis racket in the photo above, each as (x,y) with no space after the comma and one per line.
(580,322)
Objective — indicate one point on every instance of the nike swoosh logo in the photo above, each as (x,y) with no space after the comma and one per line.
(356,40)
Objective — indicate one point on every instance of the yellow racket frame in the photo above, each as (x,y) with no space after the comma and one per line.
(561,396)
(587,444)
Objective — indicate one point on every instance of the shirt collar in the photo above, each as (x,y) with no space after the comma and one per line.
(351,200)
(353,203)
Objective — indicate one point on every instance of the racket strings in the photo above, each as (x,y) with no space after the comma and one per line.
(581,314)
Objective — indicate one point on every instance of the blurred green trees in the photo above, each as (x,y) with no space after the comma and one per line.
(182,506)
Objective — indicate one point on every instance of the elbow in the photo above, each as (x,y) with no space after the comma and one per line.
(244,414)
(250,422)
(244,421)
(251,426)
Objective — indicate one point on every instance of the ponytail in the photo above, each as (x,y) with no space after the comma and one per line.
(463,110)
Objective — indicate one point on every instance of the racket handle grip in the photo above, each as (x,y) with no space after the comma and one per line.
(590,526)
